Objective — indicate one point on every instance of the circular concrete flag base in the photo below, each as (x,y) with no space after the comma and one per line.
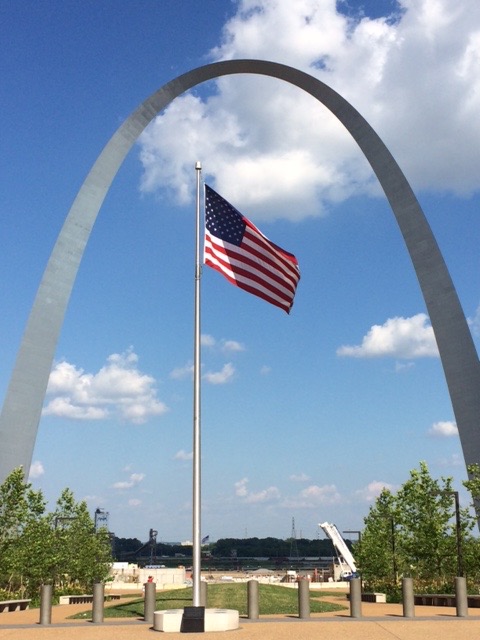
(170,620)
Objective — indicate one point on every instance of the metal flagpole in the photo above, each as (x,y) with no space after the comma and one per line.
(196,548)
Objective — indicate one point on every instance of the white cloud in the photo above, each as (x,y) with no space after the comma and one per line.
(311,497)
(117,389)
(133,481)
(327,494)
(265,370)
(270,494)
(179,373)
(475,322)
(403,338)
(250,130)
(443,429)
(455,460)
(134,502)
(227,346)
(402,367)
(65,408)
(207,340)
(217,346)
(241,488)
(36,470)
(232,346)
(299,477)
(183,455)
(314,496)
(373,490)
(123,484)
(221,377)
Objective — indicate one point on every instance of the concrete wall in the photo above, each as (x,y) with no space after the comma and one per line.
(131,576)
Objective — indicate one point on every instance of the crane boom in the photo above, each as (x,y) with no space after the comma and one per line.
(340,545)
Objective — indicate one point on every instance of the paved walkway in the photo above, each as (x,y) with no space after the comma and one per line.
(379,622)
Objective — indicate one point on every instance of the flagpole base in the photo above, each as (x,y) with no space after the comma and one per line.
(172,620)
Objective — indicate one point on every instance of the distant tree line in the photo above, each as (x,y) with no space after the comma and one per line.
(132,549)
(271,547)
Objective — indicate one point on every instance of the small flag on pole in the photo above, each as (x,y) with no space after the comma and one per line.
(237,249)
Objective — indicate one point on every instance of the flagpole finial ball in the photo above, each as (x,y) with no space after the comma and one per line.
(198,165)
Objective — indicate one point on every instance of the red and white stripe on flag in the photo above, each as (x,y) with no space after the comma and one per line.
(248,259)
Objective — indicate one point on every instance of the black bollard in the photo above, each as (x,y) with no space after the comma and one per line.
(252,599)
(46,604)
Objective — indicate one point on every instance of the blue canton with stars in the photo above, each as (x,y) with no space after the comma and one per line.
(222,220)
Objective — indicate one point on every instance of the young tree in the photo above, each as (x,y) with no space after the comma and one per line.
(428,523)
(83,555)
(425,539)
(34,553)
(377,553)
(471,548)
(473,486)
(36,547)
(21,510)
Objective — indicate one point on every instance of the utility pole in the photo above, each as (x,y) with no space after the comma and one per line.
(293,543)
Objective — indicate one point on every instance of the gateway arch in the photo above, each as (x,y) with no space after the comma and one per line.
(25,395)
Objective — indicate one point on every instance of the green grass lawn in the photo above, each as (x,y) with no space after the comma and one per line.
(272,600)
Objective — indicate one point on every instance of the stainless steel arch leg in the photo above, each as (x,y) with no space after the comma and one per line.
(24,399)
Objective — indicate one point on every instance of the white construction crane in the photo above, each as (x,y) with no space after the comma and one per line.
(345,558)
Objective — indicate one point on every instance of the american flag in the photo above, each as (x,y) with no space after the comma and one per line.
(235,247)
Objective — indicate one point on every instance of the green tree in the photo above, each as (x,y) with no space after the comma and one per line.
(37,547)
(414,533)
(34,553)
(473,486)
(377,553)
(426,510)
(471,548)
(82,555)
(21,510)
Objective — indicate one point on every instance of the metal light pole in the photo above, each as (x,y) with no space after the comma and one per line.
(394,558)
(392,543)
(458,531)
(458,528)
(359,534)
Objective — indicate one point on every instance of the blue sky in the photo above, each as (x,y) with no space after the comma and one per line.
(305,416)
